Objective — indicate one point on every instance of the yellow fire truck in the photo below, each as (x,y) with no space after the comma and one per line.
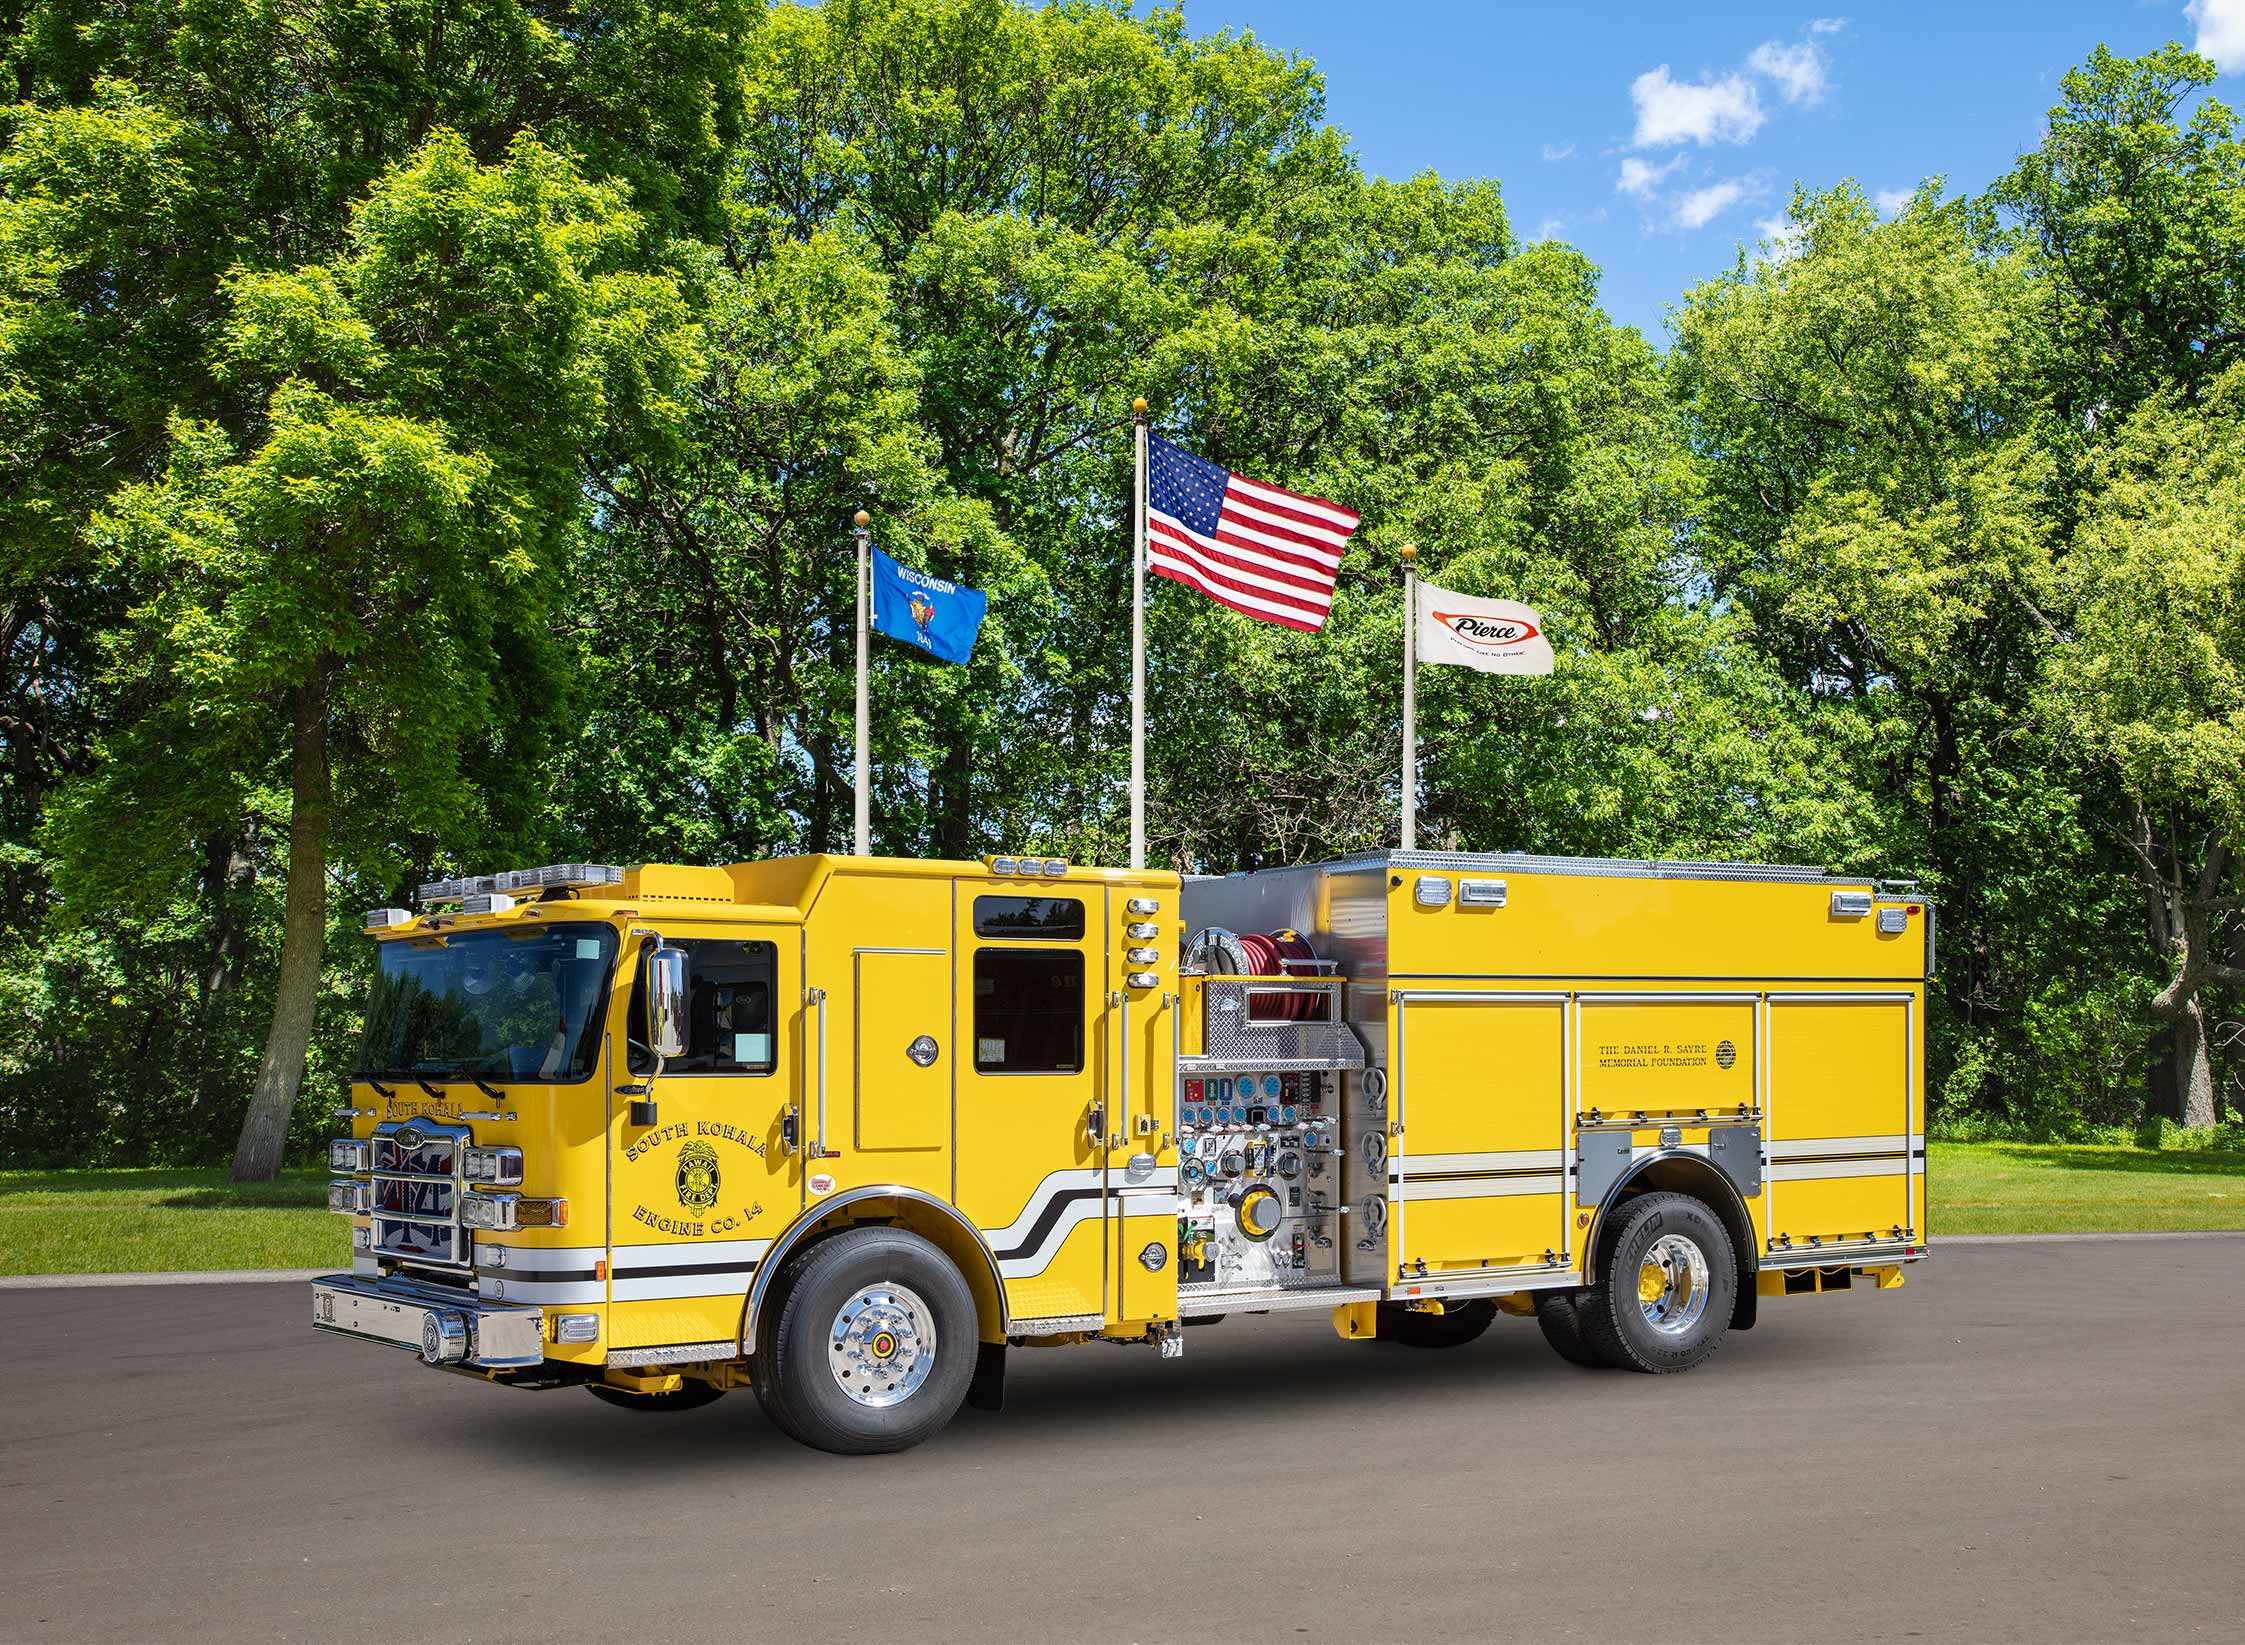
(843,1130)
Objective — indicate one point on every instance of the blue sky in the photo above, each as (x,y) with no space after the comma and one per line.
(1656,138)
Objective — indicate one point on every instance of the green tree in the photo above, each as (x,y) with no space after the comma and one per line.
(353,576)
(2152,679)
(2131,219)
(156,156)
(1871,426)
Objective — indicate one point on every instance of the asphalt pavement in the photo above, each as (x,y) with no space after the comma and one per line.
(2033,1442)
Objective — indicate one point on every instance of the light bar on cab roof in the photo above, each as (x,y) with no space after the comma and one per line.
(567,876)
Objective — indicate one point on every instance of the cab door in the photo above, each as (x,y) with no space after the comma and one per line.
(1032,1111)
(698,1196)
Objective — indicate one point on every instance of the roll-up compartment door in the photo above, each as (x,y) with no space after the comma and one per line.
(1477,1179)
(1844,1138)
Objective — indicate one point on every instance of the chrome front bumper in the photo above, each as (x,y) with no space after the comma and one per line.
(446,1327)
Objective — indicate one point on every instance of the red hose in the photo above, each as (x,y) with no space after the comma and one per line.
(1276,956)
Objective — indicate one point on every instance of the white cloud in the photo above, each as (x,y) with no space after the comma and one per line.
(1559,151)
(1797,69)
(1698,207)
(1552,228)
(1641,177)
(2221,32)
(1784,237)
(1891,200)
(1826,25)
(1669,110)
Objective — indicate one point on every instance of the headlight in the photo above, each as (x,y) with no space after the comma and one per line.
(491,1212)
(500,1166)
(348,1154)
(349,1198)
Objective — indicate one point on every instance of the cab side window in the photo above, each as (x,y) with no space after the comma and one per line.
(1028,1000)
(729,987)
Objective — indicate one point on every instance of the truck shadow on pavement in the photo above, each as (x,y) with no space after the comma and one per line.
(1055,1397)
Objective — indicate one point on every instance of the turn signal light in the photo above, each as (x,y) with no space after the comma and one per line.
(504,1213)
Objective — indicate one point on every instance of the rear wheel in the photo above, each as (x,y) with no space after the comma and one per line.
(1560,1315)
(691,1397)
(1453,1328)
(1665,1292)
(873,1346)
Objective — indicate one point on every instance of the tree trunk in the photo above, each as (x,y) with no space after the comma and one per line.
(257,1158)
(2194,1068)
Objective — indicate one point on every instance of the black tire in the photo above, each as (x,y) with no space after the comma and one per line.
(1616,1324)
(1560,1315)
(1454,1329)
(919,1302)
(692,1397)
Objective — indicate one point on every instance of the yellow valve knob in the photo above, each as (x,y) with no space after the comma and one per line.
(1259,1212)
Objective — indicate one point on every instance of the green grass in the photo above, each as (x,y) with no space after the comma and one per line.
(110,1222)
(107,1222)
(2056,1188)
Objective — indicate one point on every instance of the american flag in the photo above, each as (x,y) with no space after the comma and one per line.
(1257,548)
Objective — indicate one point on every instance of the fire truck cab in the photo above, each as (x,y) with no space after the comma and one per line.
(844,1130)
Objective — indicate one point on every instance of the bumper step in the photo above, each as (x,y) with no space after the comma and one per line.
(444,1326)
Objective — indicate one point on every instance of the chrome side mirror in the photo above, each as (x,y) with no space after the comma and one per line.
(666,1001)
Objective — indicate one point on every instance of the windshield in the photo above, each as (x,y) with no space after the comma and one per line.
(516,1003)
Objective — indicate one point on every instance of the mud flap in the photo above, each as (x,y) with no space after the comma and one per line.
(987,1392)
(1749,1301)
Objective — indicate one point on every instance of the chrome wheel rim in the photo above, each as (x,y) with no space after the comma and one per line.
(882,1345)
(1672,1284)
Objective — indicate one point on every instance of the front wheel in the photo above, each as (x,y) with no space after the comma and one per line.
(874,1346)
(1665,1292)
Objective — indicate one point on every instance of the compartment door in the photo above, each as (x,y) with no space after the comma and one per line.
(1477,1175)
(902,1095)
(1843,1123)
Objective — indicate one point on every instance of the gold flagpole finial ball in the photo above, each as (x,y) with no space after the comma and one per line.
(1407,553)
(862,519)
(1138,407)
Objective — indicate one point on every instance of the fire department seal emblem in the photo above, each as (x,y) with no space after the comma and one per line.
(697,1176)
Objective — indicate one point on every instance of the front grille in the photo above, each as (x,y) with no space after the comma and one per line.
(417,1189)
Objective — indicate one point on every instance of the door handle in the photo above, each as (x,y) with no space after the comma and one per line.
(818,1148)
(1095,1123)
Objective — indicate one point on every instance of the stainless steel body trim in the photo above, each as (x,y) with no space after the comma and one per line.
(1199,1304)
(1053,1325)
(1844,1256)
(678,1353)
(404,1313)
(1670,996)
(1492,1282)
(1620,868)
(813,1217)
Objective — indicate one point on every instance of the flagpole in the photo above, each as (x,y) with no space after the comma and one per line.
(864,783)
(1410,699)
(1138,641)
